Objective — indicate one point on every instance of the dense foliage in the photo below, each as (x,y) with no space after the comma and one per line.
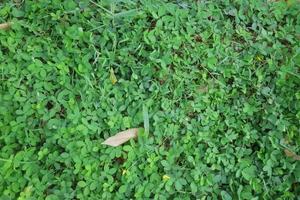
(219,82)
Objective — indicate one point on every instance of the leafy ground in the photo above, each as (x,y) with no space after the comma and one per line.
(217,81)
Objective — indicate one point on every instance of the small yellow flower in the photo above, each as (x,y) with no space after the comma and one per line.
(124,171)
(166,177)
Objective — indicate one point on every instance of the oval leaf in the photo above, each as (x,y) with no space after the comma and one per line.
(121,137)
(4,26)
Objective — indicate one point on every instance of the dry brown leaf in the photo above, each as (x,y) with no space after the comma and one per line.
(121,137)
(291,154)
(4,26)
(288,153)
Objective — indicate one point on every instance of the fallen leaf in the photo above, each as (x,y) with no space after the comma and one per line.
(288,153)
(291,154)
(121,137)
(4,26)
(112,76)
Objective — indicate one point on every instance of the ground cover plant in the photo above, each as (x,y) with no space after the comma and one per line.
(213,86)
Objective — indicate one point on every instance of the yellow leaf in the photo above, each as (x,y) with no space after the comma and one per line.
(166,177)
(26,193)
(121,137)
(259,58)
(113,77)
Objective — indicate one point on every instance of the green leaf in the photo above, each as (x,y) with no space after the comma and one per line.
(249,172)
(193,188)
(93,186)
(81,184)
(178,185)
(225,195)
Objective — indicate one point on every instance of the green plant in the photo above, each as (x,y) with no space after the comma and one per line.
(215,84)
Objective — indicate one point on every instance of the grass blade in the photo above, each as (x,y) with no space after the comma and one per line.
(146,119)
